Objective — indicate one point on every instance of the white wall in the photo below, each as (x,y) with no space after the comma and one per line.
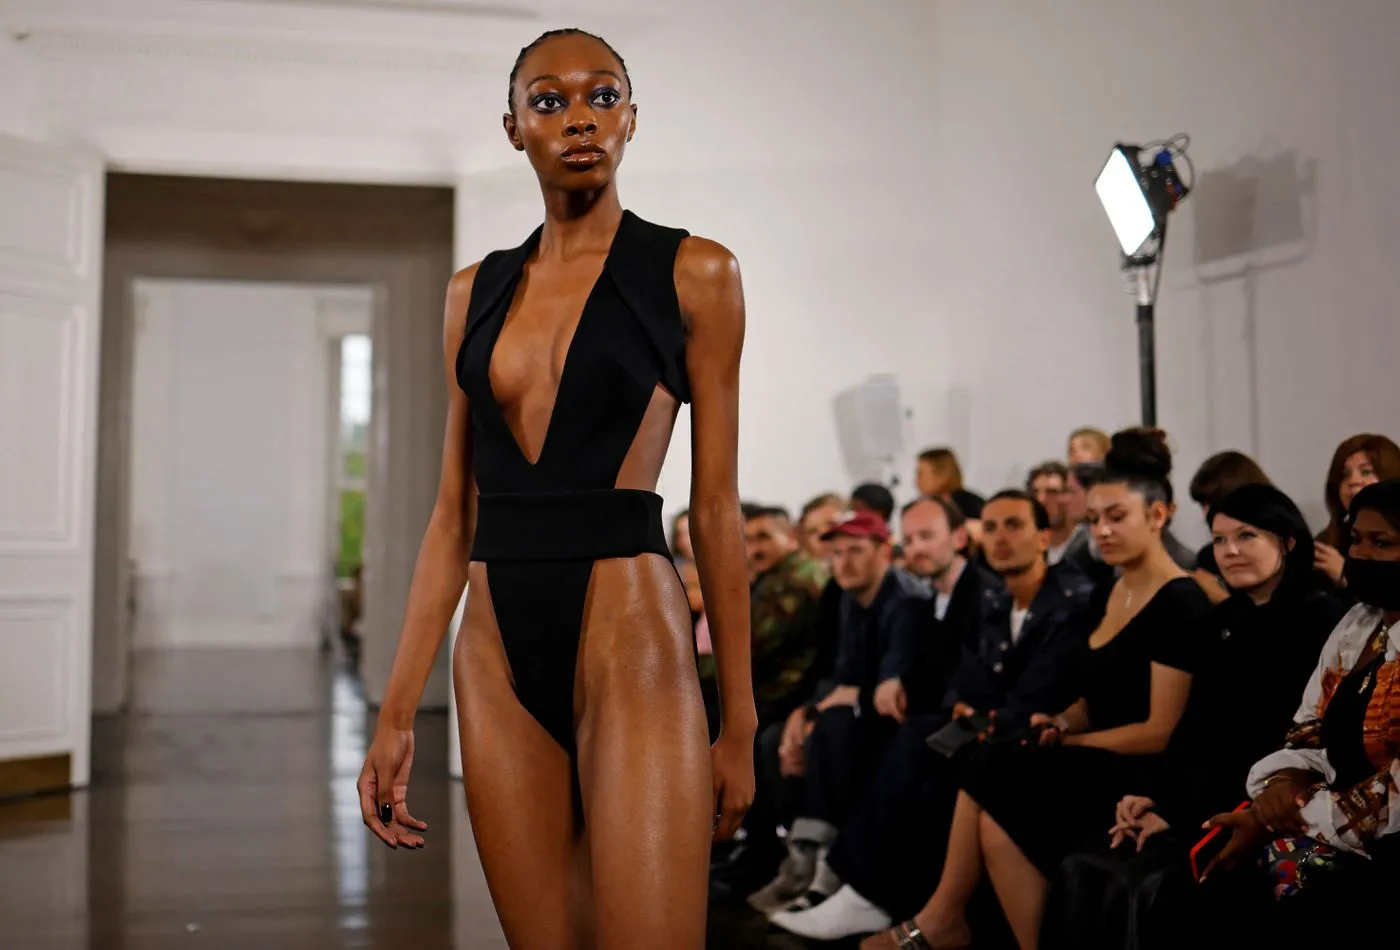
(1030,98)
(19,85)
(229,455)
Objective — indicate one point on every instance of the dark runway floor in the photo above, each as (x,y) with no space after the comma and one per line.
(222,814)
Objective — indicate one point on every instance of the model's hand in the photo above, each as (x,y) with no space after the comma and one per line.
(731,762)
(891,700)
(963,711)
(384,781)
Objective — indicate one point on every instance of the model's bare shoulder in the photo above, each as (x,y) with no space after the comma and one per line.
(459,296)
(708,283)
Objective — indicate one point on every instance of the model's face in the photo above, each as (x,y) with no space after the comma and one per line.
(1010,538)
(1248,557)
(930,546)
(858,563)
(573,114)
(1049,490)
(1357,473)
(1124,525)
(817,523)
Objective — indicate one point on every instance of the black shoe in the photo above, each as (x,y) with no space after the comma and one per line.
(747,871)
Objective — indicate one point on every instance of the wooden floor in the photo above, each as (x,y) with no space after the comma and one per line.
(222,814)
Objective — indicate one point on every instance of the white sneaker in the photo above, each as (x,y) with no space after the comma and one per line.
(843,914)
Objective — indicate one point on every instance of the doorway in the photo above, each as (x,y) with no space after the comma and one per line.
(358,475)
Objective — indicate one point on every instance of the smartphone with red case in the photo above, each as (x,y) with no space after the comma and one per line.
(1208,847)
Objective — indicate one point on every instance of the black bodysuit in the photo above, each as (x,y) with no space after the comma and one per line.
(541,526)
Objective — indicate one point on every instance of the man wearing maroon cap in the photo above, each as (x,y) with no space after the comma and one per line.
(884,612)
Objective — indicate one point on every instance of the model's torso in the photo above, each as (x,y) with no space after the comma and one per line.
(573,372)
(575,376)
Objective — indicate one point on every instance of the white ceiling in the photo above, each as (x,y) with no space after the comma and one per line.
(320,82)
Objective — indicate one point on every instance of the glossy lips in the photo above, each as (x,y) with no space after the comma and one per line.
(583,155)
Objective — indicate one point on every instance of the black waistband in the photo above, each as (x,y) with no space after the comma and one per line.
(574,525)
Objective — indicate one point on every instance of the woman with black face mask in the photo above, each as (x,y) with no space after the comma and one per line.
(1323,824)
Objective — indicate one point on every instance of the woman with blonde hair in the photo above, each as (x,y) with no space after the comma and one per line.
(1087,444)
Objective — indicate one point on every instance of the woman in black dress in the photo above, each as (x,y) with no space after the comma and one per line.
(1251,660)
(1026,805)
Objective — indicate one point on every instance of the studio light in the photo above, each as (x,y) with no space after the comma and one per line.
(1138,196)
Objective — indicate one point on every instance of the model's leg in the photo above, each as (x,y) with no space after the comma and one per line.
(519,794)
(644,764)
(1019,884)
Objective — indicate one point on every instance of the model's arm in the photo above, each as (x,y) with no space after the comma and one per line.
(712,302)
(438,579)
(440,573)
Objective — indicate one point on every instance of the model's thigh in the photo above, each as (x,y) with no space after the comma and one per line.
(644,762)
(519,794)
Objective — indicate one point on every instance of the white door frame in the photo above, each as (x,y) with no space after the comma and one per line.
(50,330)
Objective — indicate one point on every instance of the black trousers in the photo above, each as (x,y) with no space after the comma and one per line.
(843,754)
(892,845)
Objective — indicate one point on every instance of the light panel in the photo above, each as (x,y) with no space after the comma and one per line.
(1124,201)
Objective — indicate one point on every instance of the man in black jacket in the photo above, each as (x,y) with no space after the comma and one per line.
(884,617)
(889,854)
(934,535)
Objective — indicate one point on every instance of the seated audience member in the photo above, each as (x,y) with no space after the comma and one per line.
(873,498)
(1048,483)
(884,613)
(817,518)
(783,603)
(935,534)
(795,632)
(1217,477)
(1359,461)
(888,855)
(1024,808)
(1081,553)
(938,474)
(1324,817)
(1252,658)
(1087,445)
(681,547)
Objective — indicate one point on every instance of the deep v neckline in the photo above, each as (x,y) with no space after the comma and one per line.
(568,349)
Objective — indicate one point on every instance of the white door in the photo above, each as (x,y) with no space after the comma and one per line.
(50,279)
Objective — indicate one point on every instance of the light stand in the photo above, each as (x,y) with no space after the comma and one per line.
(1137,199)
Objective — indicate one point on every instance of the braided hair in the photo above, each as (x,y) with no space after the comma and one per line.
(549,35)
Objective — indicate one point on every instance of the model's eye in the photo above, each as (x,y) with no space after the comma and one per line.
(547,102)
(607,97)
